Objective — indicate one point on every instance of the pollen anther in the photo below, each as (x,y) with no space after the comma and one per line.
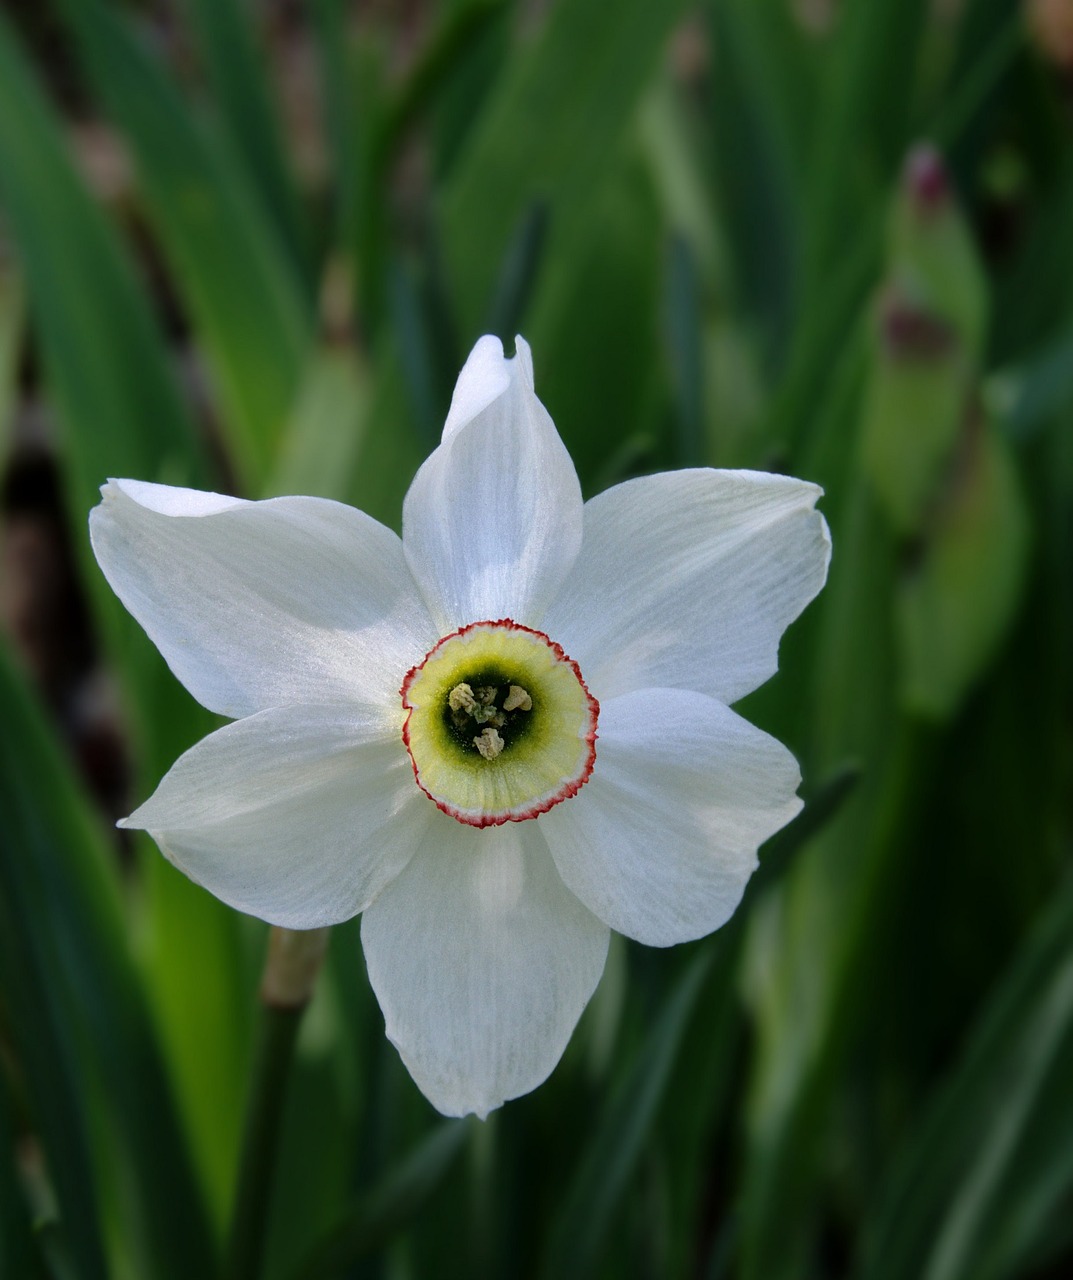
(489,743)
(461,699)
(517,699)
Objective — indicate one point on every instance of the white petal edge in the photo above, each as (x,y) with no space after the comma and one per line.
(298,815)
(687,579)
(260,604)
(482,962)
(661,841)
(485,377)
(493,520)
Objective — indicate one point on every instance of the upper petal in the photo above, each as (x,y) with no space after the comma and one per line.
(482,962)
(259,604)
(688,579)
(299,815)
(492,522)
(662,840)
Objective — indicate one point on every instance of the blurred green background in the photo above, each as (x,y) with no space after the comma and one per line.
(247,246)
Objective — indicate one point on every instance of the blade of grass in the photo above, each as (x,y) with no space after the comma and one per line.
(683,342)
(107,374)
(618,1138)
(36,1028)
(958,1202)
(12,329)
(106,365)
(528,141)
(79,1013)
(863,124)
(380,1214)
(242,292)
(17,1251)
(235,67)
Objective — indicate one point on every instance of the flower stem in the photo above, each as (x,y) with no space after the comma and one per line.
(291,967)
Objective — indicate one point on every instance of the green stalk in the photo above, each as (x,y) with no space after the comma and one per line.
(291,968)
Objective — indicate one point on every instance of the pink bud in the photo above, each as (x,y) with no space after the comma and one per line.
(925,180)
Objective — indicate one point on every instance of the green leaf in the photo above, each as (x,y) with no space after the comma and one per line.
(80,1020)
(12,328)
(234,65)
(551,130)
(612,1152)
(820,809)
(518,274)
(323,438)
(956,605)
(106,369)
(106,365)
(762,107)
(380,1214)
(990,1166)
(18,1250)
(242,292)
(683,340)
(862,124)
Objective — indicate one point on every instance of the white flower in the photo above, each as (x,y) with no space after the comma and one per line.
(499,737)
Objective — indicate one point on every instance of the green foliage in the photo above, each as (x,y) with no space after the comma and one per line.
(714,229)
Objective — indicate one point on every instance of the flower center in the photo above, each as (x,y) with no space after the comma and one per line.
(499,724)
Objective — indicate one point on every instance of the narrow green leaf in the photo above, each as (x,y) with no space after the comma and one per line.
(592,324)
(763,96)
(18,1250)
(12,328)
(243,293)
(518,274)
(106,365)
(583,68)
(235,67)
(820,809)
(421,369)
(323,438)
(611,1155)
(389,1206)
(862,125)
(461,25)
(79,1014)
(955,606)
(106,369)
(683,342)
(1025,399)
(990,1164)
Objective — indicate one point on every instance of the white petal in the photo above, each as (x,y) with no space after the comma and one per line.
(485,377)
(482,962)
(299,815)
(492,521)
(259,604)
(687,579)
(662,839)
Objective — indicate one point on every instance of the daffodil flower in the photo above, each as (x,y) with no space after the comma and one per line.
(498,737)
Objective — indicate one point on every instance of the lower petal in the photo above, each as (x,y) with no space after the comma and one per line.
(662,840)
(482,962)
(298,815)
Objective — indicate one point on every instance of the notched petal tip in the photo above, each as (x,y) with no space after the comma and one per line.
(166,499)
(523,360)
(488,374)
(484,378)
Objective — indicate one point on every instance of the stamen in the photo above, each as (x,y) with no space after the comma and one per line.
(461,699)
(517,699)
(485,709)
(489,743)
